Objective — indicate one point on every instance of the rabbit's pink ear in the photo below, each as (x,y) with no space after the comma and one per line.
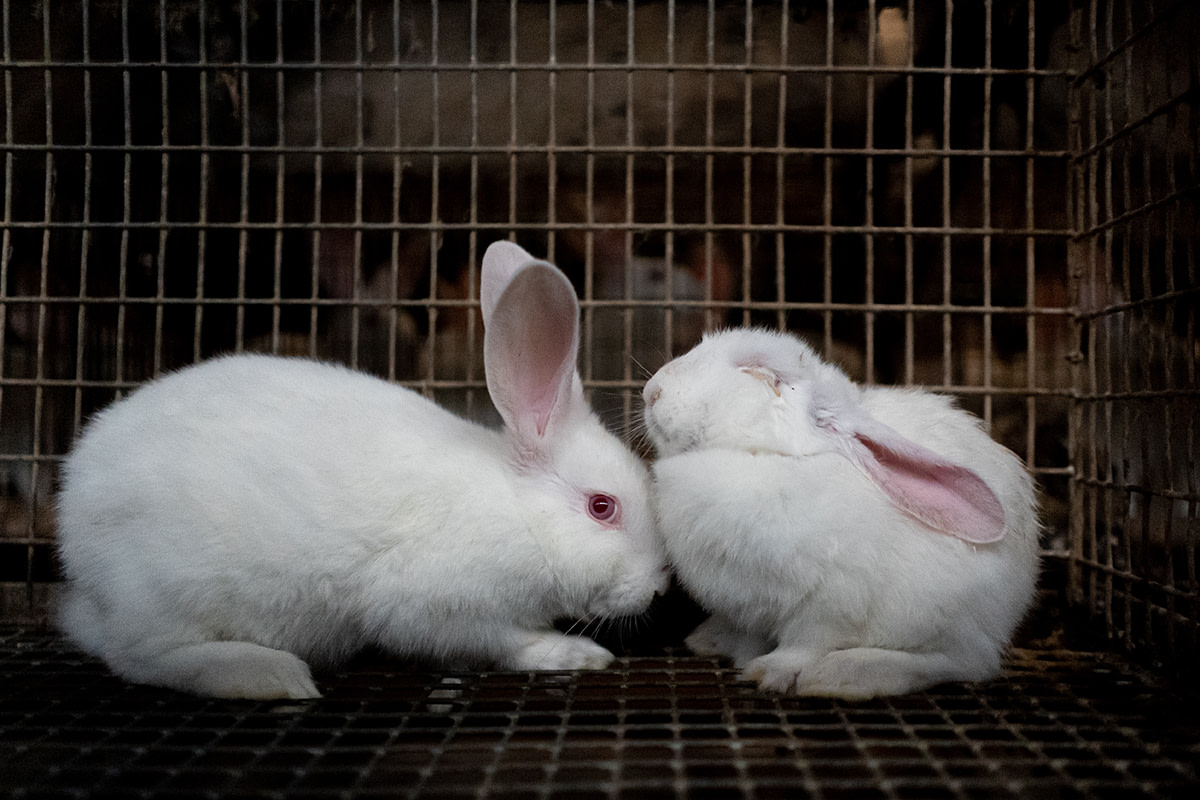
(531,342)
(947,497)
(500,263)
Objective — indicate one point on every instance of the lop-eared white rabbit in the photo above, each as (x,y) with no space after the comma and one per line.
(227,523)
(848,541)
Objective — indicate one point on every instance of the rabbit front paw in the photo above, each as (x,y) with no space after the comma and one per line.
(558,652)
(779,670)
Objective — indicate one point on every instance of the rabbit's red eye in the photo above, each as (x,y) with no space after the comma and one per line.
(602,507)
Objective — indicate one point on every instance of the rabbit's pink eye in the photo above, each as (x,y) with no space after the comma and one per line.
(602,507)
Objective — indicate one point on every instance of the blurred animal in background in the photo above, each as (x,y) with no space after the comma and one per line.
(624,75)
(637,280)
(33,417)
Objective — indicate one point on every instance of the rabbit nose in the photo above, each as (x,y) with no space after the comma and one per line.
(651,391)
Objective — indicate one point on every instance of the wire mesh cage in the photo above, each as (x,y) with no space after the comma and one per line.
(1133,546)
(993,200)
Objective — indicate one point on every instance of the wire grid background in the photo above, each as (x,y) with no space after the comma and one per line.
(995,201)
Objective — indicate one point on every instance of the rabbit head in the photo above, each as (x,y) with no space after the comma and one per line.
(606,554)
(762,391)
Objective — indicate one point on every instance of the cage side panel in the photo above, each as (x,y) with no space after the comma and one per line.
(1135,534)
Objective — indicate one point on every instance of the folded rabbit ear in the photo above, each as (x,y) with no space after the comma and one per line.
(947,497)
(531,340)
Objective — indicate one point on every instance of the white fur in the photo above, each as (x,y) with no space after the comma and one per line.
(227,523)
(817,582)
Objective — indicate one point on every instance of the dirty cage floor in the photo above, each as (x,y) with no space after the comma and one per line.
(1058,723)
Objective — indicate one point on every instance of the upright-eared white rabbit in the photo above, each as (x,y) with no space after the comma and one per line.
(848,541)
(224,525)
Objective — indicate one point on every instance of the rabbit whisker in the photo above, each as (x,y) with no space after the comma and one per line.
(646,373)
(637,435)
(595,623)
(577,627)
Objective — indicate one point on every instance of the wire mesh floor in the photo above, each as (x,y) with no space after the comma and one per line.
(1058,724)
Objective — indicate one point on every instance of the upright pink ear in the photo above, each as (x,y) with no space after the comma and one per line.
(947,497)
(500,263)
(531,340)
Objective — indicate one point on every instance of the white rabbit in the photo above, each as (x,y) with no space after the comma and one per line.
(848,541)
(225,522)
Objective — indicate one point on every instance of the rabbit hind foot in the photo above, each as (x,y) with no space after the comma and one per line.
(232,670)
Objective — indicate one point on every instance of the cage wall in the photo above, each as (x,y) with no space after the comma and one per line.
(992,200)
(1134,533)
